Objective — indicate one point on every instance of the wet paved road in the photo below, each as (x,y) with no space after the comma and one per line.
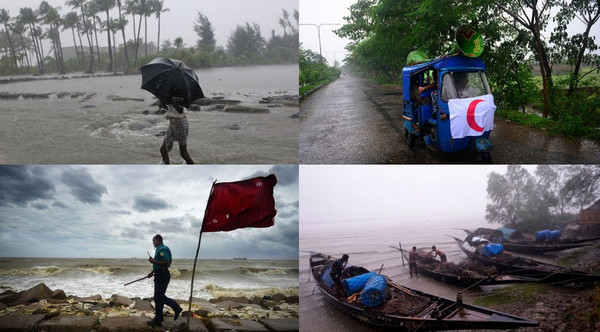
(355,121)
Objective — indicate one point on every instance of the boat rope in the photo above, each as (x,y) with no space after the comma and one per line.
(313,292)
(473,285)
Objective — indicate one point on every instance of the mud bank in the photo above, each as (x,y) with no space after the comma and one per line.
(41,309)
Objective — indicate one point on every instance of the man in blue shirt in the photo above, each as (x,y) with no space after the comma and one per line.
(160,270)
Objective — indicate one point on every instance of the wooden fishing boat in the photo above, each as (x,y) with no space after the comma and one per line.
(410,309)
(465,273)
(516,265)
(527,244)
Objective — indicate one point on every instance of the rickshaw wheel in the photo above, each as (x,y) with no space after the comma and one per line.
(410,138)
(486,157)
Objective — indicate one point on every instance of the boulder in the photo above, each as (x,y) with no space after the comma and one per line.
(69,323)
(246,109)
(129,324)
(268,303)
(58,294)
(9,297)
(239,299)
(278,297)
(281,325)
(94,298)
(19,322)
(118,300)
(35,293)
(240,325)
(196,325)
(292,299)
(143,305)
(230,304)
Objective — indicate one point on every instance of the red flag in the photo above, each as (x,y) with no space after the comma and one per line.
(247,203)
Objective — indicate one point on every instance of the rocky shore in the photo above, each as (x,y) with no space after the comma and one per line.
(42,309)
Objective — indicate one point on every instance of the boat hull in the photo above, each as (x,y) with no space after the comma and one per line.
(439,313)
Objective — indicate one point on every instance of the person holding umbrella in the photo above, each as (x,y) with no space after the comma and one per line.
(178,131)
(176,86)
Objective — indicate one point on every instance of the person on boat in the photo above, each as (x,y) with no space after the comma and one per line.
(437,252)
(160,270)
(337,268)
(412,261)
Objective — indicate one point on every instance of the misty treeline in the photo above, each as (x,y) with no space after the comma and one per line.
(551,196)
(522,38)
(315,70)
(130,44)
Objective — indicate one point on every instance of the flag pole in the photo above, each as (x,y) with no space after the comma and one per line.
(196,258)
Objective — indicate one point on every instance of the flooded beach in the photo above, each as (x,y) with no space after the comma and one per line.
(110,120)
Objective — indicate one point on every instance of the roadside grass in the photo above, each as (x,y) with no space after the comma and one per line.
(573,128)
(306,88)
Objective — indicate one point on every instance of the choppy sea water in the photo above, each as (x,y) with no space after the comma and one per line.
(101,120)
(90,276)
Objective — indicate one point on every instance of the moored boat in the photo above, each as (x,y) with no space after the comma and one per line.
(409,309)
(516,265)
(526,244)
(465,273)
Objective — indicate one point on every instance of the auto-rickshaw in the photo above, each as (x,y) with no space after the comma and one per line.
(447,101)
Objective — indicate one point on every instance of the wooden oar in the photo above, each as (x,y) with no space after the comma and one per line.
(140,279)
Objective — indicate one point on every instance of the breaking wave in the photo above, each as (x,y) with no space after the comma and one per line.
(37,270)
(217,291)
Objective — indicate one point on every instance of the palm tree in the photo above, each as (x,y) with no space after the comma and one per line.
(92,10)
(19,28)
(52,18)
(122,24)
(86,29)
(147,10)
(131,8)
(158,9)
(106,6)
(70,21)
(29,17)
(4,19)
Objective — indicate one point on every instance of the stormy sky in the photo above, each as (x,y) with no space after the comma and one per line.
(394,194)
(113,211)
(179,20)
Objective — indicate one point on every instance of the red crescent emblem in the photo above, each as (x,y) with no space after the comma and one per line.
(471,115)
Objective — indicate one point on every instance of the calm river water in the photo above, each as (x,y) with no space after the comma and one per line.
(101,120)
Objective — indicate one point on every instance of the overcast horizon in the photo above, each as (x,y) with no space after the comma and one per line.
(179,21)
(114,211)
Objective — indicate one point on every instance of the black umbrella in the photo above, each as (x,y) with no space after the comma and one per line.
(167,78)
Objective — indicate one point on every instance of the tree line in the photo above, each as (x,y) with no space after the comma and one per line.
(315,70)
(545,199)
(22,49)
(383,32)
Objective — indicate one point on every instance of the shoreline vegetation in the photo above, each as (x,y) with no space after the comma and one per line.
(23,51)
(40,308)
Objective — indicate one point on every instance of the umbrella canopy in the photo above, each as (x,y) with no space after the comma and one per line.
(168,78)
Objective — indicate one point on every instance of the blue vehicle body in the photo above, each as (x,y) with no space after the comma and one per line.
(428,117)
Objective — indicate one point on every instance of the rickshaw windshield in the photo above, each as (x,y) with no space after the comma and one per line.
(464,85)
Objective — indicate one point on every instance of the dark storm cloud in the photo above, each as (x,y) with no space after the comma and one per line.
(40,206)
(120,212)
(59,204)
(20,185)
(149,202)
(83,186)
(286,174)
